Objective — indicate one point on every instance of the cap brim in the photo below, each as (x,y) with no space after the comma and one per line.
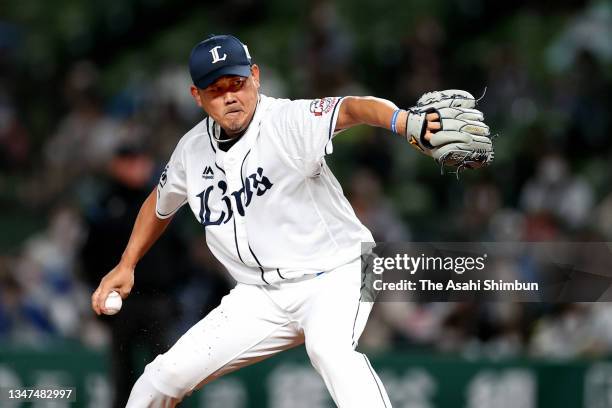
(240,70)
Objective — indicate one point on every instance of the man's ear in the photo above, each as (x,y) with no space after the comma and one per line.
(255,74)
(196,95)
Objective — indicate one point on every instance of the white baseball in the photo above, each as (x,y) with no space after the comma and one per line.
(113,303)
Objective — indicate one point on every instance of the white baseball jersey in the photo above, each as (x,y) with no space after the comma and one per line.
(270,206)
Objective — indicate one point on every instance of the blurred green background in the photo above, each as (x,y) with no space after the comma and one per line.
(94,96)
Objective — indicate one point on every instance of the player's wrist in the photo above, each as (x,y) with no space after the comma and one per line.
(128,262)
(398,122)
(402,121)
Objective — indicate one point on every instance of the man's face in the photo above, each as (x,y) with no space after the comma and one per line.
(230,100)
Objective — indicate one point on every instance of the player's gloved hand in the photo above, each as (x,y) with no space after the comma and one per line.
(462,140)
(120,279)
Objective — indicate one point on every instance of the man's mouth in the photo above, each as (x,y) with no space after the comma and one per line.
(233,112)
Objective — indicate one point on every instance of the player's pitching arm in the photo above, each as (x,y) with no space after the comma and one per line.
(368,110)
(147,229)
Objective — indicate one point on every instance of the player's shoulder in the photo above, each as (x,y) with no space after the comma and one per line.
(286,111)
(303,107)
(274,104)
(195,134)
(283,103)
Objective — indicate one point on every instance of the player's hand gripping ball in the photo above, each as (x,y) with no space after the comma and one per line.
(113,303)
(463,139)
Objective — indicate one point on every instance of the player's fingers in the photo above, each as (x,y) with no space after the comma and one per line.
(103,291)
(94,301)
(433,126)
(102,299)
(432,117)
(428,135)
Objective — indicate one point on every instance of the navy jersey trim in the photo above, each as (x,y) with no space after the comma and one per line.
(208,132)
(216,165)
(211,143)
(258,263)
(250,249)
(242,168)
(331,123)
(160,215)
(375,380)
(236,242)
(363,276)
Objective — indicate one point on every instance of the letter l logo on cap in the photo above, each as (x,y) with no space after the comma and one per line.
(215,55)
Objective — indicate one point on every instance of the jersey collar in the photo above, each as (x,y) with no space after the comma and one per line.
(250,135)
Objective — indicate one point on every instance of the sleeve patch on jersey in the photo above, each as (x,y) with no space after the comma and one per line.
(320,107)
(164,177)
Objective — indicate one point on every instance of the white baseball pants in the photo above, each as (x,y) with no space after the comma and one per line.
(255,322)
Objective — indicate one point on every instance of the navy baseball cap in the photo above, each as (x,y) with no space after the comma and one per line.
(216,56)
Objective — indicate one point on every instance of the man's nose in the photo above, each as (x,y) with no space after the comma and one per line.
(229,98)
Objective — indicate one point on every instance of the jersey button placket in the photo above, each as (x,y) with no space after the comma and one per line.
(234,179)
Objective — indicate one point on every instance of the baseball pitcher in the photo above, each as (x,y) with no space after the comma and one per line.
(254,174)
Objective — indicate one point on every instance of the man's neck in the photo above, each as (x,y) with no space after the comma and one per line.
(226,141)
(225,137)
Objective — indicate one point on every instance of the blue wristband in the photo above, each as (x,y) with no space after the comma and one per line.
(394,120)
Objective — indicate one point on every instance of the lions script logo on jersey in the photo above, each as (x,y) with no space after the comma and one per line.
(318,107)
(256,184)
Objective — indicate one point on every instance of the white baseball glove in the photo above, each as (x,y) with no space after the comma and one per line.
(463,140)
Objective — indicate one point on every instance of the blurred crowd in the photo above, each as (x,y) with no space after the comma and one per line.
(75,183)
